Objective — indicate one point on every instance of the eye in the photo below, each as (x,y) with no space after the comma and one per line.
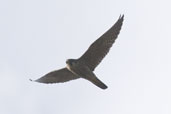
(72,63)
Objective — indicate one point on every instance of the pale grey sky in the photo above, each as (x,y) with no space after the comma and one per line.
(37,36)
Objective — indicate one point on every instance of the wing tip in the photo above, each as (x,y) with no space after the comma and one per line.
(121,17)
(38,80)
(32,80)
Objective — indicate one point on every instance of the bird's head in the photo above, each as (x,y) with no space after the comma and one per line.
(70,62)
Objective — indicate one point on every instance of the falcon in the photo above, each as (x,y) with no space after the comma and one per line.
(84,66)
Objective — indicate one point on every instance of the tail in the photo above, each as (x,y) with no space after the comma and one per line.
(98,83)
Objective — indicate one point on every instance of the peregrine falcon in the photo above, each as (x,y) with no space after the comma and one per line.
(84,66)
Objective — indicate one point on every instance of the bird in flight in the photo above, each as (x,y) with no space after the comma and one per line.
(84,66)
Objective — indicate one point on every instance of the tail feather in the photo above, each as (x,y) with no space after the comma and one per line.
(99,83)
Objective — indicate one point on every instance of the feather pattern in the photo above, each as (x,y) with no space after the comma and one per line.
(57,76)
(98,50)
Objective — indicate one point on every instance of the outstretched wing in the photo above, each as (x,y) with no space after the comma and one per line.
(57,76)
(97,51)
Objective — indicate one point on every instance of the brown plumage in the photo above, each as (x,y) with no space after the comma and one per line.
(85,65)
(61,75)
(98,50)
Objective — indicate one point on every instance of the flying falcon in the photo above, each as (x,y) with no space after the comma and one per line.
(86,64)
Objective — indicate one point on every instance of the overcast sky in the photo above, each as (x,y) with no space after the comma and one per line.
(37,36)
